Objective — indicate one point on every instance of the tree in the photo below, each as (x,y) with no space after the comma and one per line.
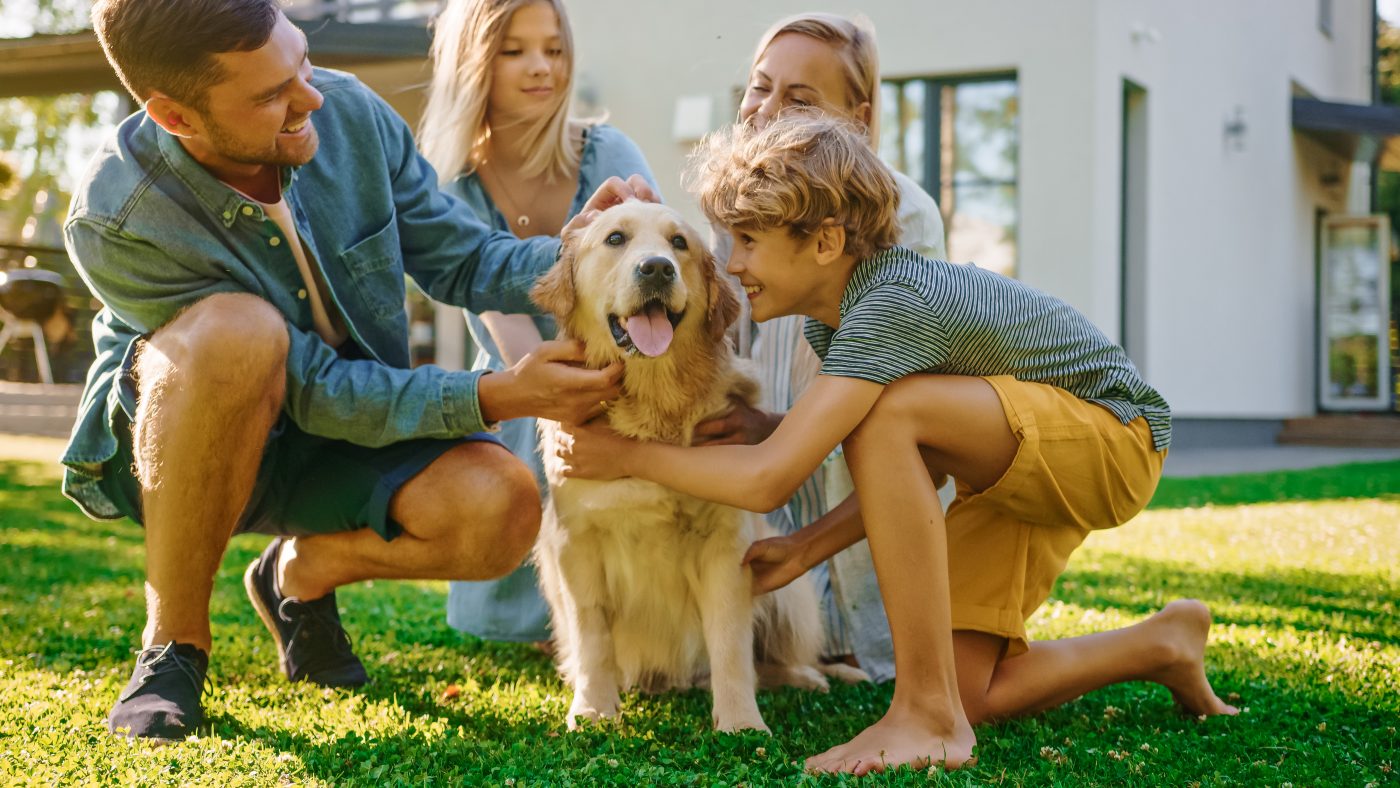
(40,132)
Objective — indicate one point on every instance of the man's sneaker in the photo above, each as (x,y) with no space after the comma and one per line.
(161,702)
(311,644)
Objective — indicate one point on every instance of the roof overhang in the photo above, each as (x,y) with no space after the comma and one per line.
(74,63)
(1367,133)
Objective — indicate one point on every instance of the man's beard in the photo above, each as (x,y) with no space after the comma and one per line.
(230,148)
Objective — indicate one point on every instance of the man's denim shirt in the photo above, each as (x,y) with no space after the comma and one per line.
(152,232)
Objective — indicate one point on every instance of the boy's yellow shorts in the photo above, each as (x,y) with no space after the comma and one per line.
(1077,469)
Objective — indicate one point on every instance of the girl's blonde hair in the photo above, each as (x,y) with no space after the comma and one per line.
(453,133)
(854,42)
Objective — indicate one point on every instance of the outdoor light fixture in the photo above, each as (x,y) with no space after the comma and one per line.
(1142,33)
(1235,131)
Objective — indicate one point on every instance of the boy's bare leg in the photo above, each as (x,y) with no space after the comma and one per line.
(1168,649)
(960,425)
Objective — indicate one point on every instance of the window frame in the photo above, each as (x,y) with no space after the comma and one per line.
(931,178)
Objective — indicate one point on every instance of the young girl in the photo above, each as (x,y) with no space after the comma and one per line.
(928,369)
(497,129)
(828,63)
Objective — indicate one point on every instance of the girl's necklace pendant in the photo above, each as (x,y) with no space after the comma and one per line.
(523,221)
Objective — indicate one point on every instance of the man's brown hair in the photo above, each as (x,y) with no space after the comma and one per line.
(169,45)
(798,172)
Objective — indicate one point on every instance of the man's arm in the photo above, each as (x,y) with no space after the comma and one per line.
(451,254)
(361,401)
(760,477)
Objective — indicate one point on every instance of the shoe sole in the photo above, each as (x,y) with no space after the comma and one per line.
(250,584)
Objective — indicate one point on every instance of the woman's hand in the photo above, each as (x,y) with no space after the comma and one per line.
(775,562)
(743,426)
(593,451)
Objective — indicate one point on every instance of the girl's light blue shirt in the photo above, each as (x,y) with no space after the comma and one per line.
(511,608)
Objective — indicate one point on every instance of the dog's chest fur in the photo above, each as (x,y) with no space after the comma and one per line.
(650,545)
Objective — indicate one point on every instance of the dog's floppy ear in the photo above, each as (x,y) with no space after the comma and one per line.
(724,302)
(554,292)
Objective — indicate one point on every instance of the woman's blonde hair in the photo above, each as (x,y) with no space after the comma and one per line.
(453,133)
(854,42)
(799,171)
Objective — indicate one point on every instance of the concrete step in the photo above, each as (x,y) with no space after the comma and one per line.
(38,409)
(1381,430)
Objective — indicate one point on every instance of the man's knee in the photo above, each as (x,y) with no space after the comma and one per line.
(229,343)
(513,503)
(492,510)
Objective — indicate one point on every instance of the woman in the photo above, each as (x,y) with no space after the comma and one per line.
(498,130)
(828,63)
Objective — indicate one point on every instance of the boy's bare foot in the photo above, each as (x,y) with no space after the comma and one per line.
(1183,626)
(898,739)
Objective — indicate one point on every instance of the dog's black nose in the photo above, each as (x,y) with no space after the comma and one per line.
(656,272)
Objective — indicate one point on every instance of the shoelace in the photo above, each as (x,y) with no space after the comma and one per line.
(166,660)
(320,621)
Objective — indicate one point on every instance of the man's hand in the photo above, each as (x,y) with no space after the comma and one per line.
(548,383)
(742,426)
(593,452)
(775,562)
(613,191)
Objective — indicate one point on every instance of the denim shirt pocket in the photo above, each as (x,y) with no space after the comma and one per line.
(372,266)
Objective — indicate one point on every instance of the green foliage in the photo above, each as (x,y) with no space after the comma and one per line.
(1306,640)
(42,133)
(42,130)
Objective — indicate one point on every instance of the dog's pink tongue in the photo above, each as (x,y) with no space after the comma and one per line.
(650,330)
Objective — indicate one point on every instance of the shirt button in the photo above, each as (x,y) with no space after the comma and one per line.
(301,294)
(247,210)
(274,241)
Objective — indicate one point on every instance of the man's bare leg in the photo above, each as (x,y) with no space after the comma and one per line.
(957,421)
(471,515)
(1168,649)
(211,384)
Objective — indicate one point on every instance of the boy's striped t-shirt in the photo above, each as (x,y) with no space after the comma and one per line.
(903,313)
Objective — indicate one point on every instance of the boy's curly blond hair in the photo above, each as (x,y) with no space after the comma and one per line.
(798,172)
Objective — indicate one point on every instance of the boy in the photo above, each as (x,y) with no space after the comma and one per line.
(928,369)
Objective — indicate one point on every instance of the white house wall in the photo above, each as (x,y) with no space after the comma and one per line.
(1230,256)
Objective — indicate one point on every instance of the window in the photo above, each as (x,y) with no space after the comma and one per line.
(959,139)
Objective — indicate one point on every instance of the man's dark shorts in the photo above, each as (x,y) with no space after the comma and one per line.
(306,484)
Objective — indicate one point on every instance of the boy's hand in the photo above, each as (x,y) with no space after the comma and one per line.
(592,451)
(742,426)
(548,383)
(775,563)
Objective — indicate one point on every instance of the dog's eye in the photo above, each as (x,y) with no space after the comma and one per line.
(678,242)
(616,238)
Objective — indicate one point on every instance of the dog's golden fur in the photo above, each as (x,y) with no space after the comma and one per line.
(645,584)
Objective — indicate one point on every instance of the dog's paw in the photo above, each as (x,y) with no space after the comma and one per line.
(844,673)
(803,677)
(582,712)
(740,723)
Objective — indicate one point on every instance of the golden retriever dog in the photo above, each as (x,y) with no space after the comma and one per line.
(645,584)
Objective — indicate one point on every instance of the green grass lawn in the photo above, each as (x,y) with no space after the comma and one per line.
(1299,567)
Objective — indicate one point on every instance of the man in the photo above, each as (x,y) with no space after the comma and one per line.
(248,235)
